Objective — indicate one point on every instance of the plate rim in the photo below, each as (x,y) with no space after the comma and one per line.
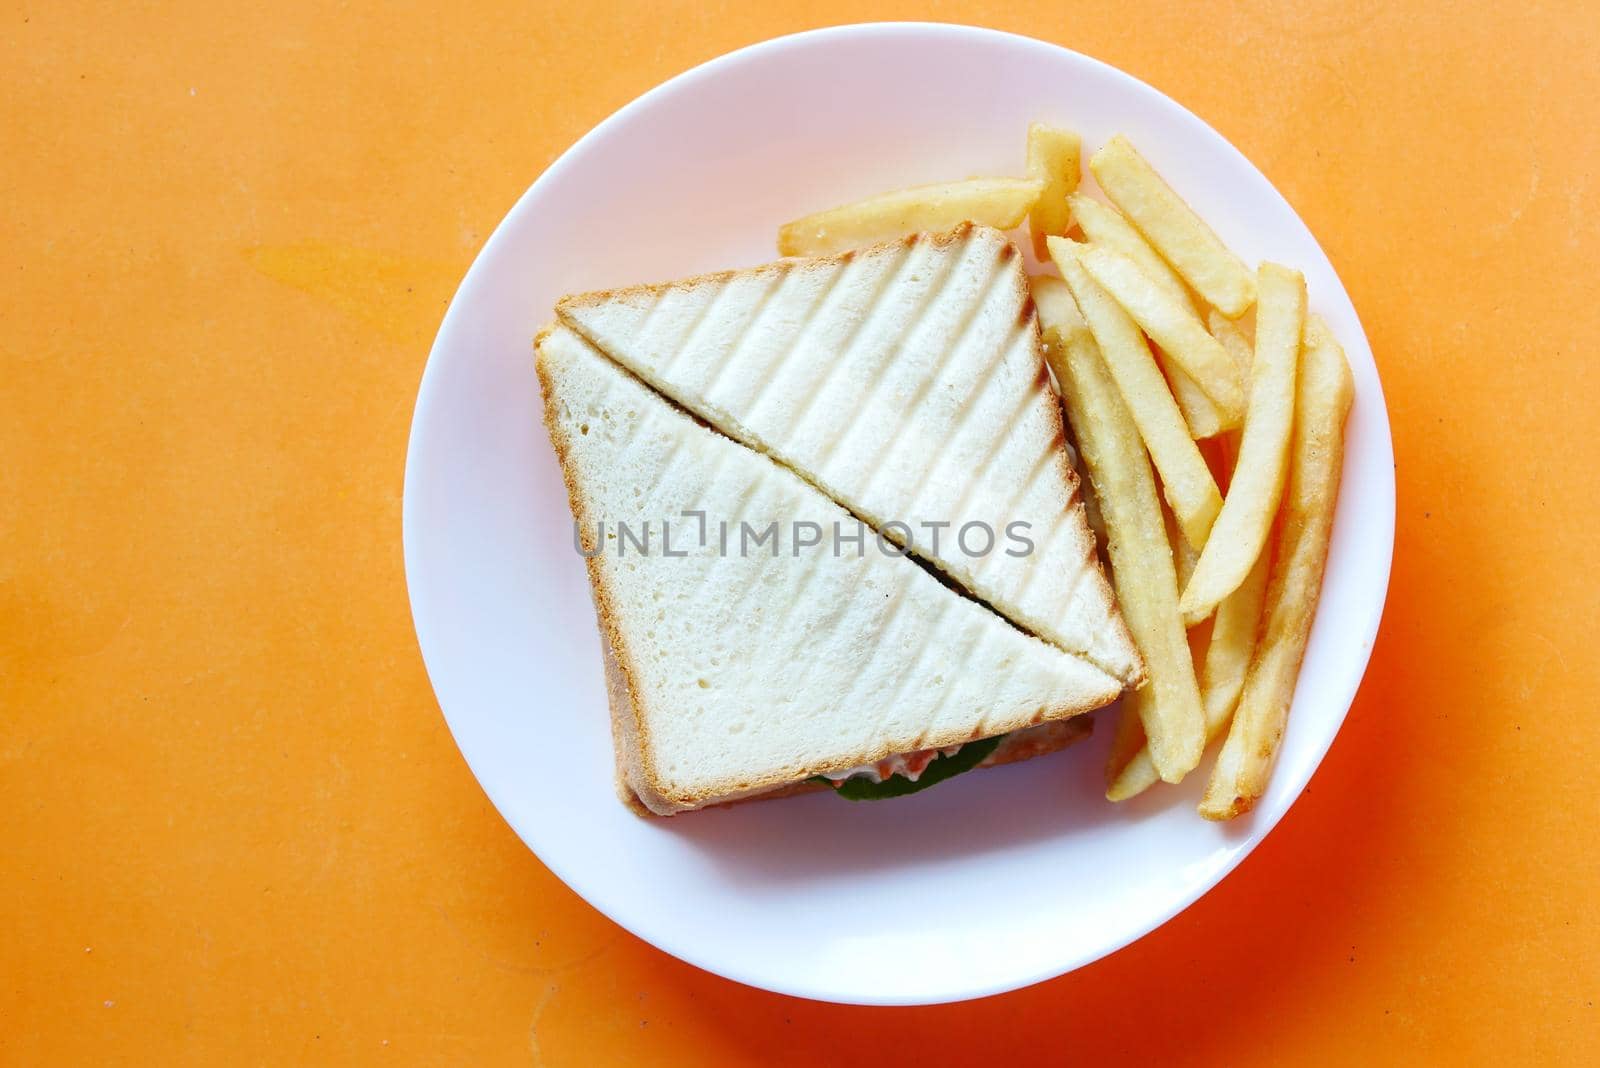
(475,277)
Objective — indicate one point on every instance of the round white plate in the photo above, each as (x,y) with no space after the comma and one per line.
(992,881)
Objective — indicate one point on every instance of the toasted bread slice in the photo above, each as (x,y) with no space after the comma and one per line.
(735,671)
(907,382)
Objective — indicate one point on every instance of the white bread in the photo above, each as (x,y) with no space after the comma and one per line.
(732,675)
(906,381)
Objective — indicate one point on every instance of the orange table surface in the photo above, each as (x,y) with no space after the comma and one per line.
(236,828)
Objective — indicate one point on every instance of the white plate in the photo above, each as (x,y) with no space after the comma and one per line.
(994,880)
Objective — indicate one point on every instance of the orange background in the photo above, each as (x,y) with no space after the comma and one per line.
(236,829)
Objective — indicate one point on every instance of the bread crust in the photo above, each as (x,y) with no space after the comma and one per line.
(629,730)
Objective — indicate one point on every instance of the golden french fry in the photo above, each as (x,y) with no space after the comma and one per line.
(1184,556)
(1173,326)
(998,202)
(1183,240)
(1105,226)
(1130,769)
(1246,519)
(1232,340)
(1128,743)
(1054,304)
(1132,777)
(1185,479)
(1322,401)
(1227,654)
(1141,562)
(1199,413)
(1091,504)
(1053,158)
(1233,640)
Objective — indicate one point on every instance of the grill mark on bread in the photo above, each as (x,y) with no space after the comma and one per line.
(752,584)
(1086,559)
(801,333)
(974,639)
(720,291)
(663,474)
(647,324)
(947,353)
(1028,316)
(1012,424)
(981,728)
(714,394)
(1043,464)
(904,257)
(778,279)
(949,270)
(1046,548)
(913,668)
(893,618)
(1062,521)
(922,477)
(1051,459)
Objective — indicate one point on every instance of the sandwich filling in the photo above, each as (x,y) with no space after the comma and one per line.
(910,772)
(908,765)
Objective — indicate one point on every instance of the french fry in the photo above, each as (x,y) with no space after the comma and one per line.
(1184,556)
(1054,159)
(1091,504)
(1129,771)
(1173,326)
(1246,518)
(1053,301)
(1322,401)
(1185,479)
(1233,641)
(1128,743)
(1141,562)
(1232,340)
(1183,240)
(1227,656)
(1199,413)
(1128,768)
(1243,603)
(1107,227)
(1104,226)
(998,202)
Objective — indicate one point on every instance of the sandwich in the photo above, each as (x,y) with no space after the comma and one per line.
(907,382)
(736,672)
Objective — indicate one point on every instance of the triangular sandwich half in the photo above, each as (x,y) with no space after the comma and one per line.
(737,671)
(906,381)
